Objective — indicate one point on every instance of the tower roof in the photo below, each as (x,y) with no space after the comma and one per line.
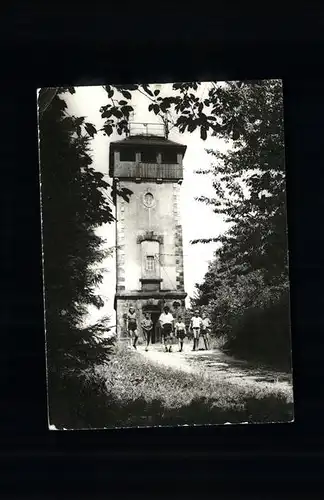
(142,139)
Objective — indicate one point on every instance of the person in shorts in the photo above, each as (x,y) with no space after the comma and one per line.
(147,327)
(166,321)
(205,329)
(180,331)
(132,327)
(195,325)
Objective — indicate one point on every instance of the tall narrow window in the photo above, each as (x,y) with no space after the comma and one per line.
(150,263)
(150,250)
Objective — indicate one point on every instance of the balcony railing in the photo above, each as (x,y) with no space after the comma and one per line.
(148,170)
(157,129)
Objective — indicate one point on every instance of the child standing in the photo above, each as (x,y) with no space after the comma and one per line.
(166,321)
(205,329)
(195,325)
(132,327)
(180,329)
(147,325)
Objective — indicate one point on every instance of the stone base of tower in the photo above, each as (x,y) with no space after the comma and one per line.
(144,302)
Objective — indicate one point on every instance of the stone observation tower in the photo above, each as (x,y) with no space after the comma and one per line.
(149,252)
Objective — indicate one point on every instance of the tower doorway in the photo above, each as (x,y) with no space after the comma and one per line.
(154,312)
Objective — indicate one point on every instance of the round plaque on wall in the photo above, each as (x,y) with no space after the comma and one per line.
(149,200)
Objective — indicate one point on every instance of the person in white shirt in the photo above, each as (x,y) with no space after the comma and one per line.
(205,329)
(195,325)
(167,321)
(180,330)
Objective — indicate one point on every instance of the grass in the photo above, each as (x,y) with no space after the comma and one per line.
(140,393)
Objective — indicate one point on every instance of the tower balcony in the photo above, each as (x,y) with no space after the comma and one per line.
(172,171)
(146,157)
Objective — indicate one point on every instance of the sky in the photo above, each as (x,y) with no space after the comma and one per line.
(198,220)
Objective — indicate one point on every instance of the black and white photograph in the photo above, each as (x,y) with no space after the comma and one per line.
(165,254)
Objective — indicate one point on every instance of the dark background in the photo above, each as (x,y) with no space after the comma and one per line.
(51,46)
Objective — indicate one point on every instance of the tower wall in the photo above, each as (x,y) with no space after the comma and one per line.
(148,228)
(134,219)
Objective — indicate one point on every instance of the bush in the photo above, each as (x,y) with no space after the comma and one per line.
(262,334)
(218,342)
(77,394)
(78,401)
(250,320)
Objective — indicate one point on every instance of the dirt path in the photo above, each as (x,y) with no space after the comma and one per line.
(216,362)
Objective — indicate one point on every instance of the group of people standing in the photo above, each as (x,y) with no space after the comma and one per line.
(172,328)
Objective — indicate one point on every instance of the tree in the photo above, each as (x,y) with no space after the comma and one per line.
(247,287)
(220,113)
(74,204)
(249,183)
